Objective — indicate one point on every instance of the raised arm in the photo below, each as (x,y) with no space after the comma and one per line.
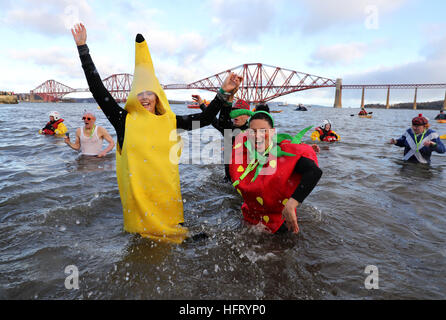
(77,144)
(224,121)
(114,113)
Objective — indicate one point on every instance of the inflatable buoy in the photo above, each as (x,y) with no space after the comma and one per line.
(148,178)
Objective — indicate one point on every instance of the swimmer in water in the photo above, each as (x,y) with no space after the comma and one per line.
(148,145)
(419,141)
(55,126)
(324,133)
(273,173)
(441,116)
(90,137)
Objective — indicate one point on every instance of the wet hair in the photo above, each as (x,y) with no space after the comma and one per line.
(262,116)
(262,107)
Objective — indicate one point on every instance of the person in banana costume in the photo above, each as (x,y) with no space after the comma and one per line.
(148,145)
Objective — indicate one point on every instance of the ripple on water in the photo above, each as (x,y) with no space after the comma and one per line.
(369,208)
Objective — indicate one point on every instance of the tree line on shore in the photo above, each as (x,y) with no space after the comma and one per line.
(430,105)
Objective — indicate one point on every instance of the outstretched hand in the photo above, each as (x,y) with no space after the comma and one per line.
(232,83)
(79,34)
(197,99)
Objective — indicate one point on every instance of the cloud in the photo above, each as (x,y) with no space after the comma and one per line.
(428,69)
(61,64)
(58,59)
(321,14)
(342,53)
(50,17)
(242,21)
(187,47)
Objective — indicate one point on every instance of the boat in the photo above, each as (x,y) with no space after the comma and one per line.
(196,105)
(276,111)
(441,120)
(369,116)
(283,103)
(300,107)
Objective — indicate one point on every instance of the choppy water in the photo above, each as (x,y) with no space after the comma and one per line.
(369,208)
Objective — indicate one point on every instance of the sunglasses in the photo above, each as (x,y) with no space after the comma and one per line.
(83,118)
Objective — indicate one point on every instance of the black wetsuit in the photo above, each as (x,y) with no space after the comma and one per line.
(117,115)
(224,122)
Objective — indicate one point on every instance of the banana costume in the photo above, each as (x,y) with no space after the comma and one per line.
(149,182)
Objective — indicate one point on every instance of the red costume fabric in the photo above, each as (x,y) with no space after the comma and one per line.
(265,198)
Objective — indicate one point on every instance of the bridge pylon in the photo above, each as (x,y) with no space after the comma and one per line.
(444,103)
(338,95)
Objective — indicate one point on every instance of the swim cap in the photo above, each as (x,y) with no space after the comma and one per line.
(420,120)
(241,104)
(55,114)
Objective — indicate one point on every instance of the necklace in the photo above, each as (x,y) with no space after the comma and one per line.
(92,131)
(416,140)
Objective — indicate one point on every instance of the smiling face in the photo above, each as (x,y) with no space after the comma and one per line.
(148,100)
(260,133)
(327,127)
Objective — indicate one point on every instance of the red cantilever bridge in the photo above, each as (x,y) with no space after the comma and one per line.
(261,83)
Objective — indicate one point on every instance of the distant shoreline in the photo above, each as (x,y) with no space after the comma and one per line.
(431,105)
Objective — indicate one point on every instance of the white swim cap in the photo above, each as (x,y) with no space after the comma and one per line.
(55,114)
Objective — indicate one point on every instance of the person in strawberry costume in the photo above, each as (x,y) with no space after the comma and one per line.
(273,173)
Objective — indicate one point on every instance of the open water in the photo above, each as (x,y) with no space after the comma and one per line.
(58,209)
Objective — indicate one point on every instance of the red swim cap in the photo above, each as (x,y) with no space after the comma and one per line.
(420,120)
(241,104)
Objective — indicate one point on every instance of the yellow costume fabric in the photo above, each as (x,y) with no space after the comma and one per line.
(61,129)
(316,136)
(149,182)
